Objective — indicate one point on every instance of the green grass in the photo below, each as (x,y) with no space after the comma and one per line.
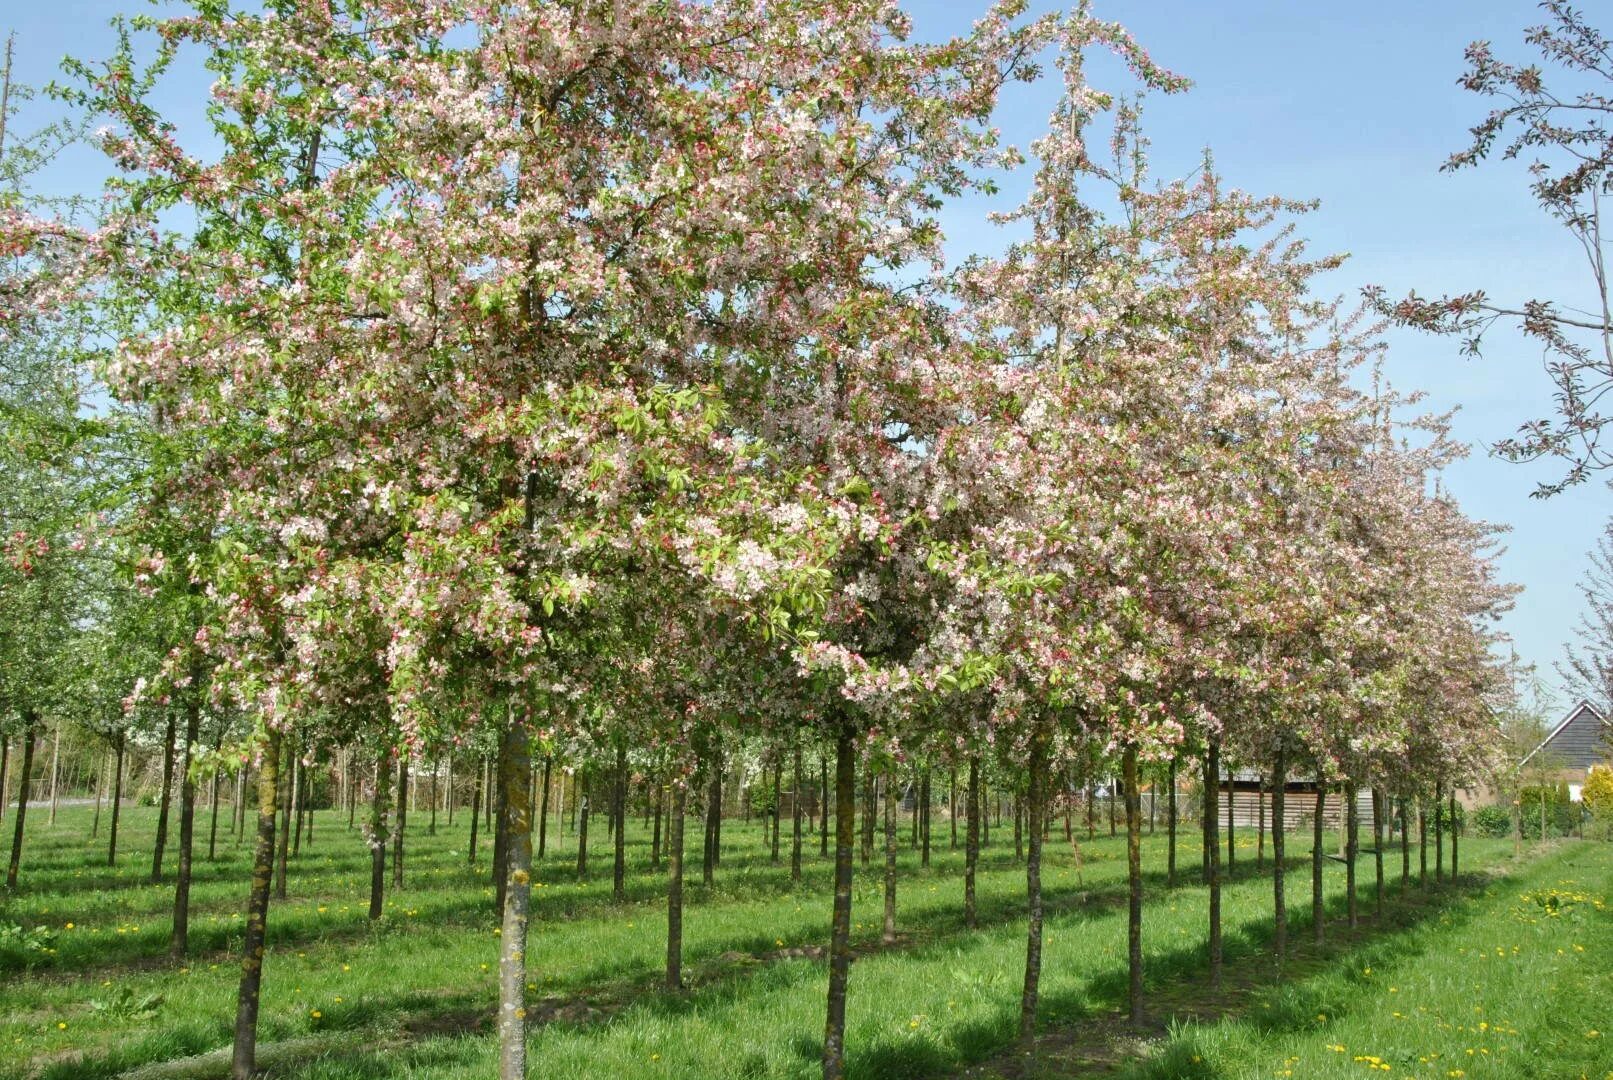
(413,995)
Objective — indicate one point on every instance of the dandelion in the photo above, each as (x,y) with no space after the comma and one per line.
(315,1013)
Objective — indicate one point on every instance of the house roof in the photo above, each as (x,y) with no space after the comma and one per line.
(1581,708)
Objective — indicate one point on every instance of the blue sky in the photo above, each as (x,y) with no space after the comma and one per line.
(1353,104)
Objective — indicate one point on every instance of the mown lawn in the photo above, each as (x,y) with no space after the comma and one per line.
(92,994)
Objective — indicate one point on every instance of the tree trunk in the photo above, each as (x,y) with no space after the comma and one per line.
(431,826)
(27,772)
(179,941)
(889,934)
(55,771)
(1439,832)
(655,836)
(167,794)
(100,794)
(283,840)
(1279,823)
(5,762)
(1352,848)
(1260,825)
(834,1033)
(1455,832)
(823,804)
(515,801)
(1422,844)
(582,827)
(619,870)
(1377,853)
(1033,894)
(243,1064)
(795,818)
(298,779)
(212,829)
(778,801)
(403,820)
(674,887)
(924,824)
(971,843)
(1232,831)
(1318,910)
(117,804)
(543,804)
(378,836)
(475,813)
(952,804)
(1212,789)
(870,784)
(1134,875)
(1019,830)
(1405,846)
(1170,831)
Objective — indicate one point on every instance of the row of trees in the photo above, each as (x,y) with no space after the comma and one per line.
(543,381)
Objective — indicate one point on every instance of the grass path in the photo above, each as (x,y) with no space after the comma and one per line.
(411,996)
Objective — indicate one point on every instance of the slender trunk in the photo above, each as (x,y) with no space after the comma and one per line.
(1212,789)
(179,941)
(55,771)
(1232,835)
(1405,845)
(403,820)
(971,843)
(449,794)
(117,804)
(378,837)
(1455,832)
(1170,830)
(543,804)
(952,804)
(100,794)
(655,837)
(1134,876)
(515,801)
(924,825)
(212,828)
(823,800)
(582,828)
(1439,832)
(1033,894)
(1279,829)
(1422,844)
(5,763)
(298,779)
(778,801)
(1352,848)
(1318,911)
(1377,853)
(12,869)
(1260,824)
(1019,831)
(167,794)
(431,826)
(619,869)
(889,934)
(674,887)
(1114,828)
(834,1032)
(475,813)
(243,1064)
(501,837)
(283,839)
(870,783)
(795,818)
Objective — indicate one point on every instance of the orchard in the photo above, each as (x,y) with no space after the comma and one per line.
(506,425)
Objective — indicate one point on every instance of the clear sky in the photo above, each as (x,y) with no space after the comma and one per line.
(1353,104)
